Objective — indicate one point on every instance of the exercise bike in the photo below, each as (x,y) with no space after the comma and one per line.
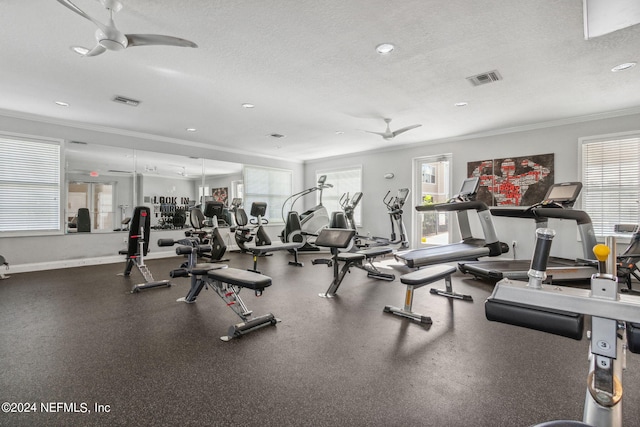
(312,221)
(208,236)
(615,324)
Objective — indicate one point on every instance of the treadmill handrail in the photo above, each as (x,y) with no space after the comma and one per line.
(581,217)
(454,206)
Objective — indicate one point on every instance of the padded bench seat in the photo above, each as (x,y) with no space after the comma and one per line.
(418,279)
(428,275)
(633,337)
(287,246)
(375,252)
(350,256)
(203,269)
(242,278)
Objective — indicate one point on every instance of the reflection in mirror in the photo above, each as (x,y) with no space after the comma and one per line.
(99,181)
(104,184)
(171,185)
(222,182)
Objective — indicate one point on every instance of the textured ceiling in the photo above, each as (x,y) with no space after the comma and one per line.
(311,69)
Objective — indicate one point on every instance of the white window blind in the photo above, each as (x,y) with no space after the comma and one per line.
(29,185)
(611,182)
(268,185)
(344,181)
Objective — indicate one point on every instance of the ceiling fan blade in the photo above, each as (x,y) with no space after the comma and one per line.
(96,51)
(157,40)
(382,134)
(399,131)
(76,9)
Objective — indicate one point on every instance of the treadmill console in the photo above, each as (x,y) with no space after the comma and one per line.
(561,195)
(468,190)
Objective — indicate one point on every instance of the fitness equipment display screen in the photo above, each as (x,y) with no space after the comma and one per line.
(469,187)
(564,194)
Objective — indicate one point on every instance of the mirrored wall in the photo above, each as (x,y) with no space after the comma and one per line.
(104,184)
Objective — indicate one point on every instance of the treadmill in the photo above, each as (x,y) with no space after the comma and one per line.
(558,203)
(470,248)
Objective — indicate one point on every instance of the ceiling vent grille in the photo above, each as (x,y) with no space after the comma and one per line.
(485,78)
(126,101)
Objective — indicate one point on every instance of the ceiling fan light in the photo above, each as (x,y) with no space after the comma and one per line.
(623,67)
(79,50)
(385,48)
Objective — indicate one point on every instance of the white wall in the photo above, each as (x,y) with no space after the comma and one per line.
(561,139)
(29,253)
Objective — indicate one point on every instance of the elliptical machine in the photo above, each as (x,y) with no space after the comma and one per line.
(312,220)
(394,206)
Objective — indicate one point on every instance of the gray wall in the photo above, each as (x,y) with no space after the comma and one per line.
(561,139)
(29,253)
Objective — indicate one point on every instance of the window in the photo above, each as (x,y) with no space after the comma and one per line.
(428,173)
(344,181)
(272,186)
(431,185)
(29,185)
(202,193)
(98,197)
(611,180)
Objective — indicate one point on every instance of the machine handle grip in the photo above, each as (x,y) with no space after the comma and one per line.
(184,250)
(542,249)
(166,242)
(204,248)
(179,272)
(602,253)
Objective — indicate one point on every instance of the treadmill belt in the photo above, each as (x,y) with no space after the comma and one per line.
(439,254)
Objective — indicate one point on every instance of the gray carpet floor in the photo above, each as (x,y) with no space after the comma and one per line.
(75,338)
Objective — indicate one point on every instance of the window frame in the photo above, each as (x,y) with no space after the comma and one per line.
(274,210)
(621,137)
(57,186)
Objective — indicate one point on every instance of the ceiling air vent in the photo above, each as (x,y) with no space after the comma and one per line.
(484,78)
(126,101)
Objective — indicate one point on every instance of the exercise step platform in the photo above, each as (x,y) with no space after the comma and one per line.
(418,279)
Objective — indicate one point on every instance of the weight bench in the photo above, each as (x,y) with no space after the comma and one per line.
(263,246)
(418,279)
(260,251)
(4,263)
(227,283)
(372,271)
(137,248)
(340,238)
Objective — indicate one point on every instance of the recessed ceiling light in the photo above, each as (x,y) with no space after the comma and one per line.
(339,132)
(62,104)
(248,105)
(191,129)
(623,67)
(384,48)
(80,50)
(461,104)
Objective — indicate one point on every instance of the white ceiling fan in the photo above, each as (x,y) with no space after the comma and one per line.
(108,37)
(388,134)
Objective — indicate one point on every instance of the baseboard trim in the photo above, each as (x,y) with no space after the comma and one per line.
(80,262)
